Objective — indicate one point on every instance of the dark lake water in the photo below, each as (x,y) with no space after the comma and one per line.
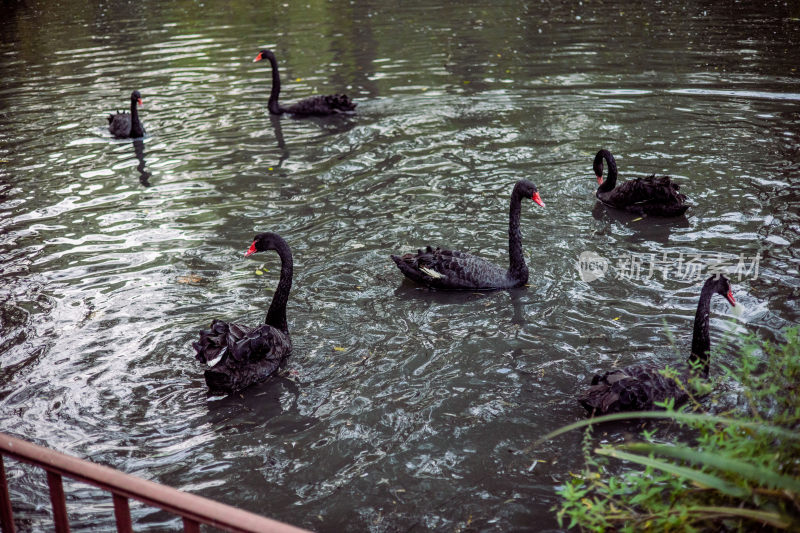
(400,409)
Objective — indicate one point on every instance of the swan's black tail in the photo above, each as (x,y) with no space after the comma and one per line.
(617,391)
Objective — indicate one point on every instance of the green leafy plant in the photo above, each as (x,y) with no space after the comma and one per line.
(734,471)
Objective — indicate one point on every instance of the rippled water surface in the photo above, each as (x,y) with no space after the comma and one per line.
(400,409)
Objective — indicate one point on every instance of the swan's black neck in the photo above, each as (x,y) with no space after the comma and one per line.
(611,181)
(276,316)
(701,340)
(517,268)
(136,126)
(273,105)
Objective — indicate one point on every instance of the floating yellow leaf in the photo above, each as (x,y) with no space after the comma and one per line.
(259,273)
(191,278)
(637,219)
(338,349)
(616,318)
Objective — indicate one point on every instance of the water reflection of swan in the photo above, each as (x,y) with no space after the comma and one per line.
(276,125)
(260,404)
(655,229)
(144,176)
(518,307)
(409,290)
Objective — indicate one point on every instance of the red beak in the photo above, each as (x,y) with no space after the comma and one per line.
(251,250)
(258,57)
(729,296)
(599,180)
(140,101)
(538,199)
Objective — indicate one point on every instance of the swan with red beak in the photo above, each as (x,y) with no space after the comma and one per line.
(450,270)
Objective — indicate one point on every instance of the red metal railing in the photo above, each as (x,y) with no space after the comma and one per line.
(195,510)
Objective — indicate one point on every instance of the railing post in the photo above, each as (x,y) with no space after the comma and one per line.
(58,502)
(122,512)
(190,526)
(6,515)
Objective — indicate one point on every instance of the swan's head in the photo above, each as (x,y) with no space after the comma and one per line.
(526,189)
(598,165)
(266,241)
(137,97)
(264,54)
(722,286)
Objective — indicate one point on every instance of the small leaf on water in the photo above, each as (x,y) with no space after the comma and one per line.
(338,349)
(270,168)
(616,318)
(299,79)
(637,219)
(191,278)
(259,273)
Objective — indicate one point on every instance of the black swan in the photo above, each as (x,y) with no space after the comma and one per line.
(652,195)
(239,356)
(451,270)
(638,387)
(127,126)
(329,104)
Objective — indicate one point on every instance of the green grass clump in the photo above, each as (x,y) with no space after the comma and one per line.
(735,471)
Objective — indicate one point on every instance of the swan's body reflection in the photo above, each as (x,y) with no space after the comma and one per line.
(144,176)
(258,405)
(408,290)
(645,228)
(332,125)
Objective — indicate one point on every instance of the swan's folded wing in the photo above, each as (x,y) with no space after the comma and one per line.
(652,190)
(321,105)
(262,343)
(617,391)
